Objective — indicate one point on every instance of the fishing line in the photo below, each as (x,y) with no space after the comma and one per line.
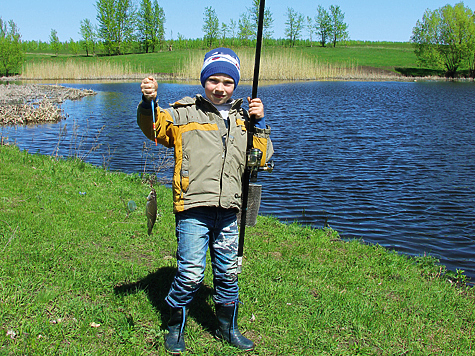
(153,121)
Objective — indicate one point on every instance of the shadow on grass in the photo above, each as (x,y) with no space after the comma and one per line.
(157,284)
(419,72)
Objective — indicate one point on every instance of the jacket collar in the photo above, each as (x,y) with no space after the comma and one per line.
(236,104)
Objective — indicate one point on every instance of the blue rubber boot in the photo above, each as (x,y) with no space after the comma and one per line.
(175,340)
(227,326)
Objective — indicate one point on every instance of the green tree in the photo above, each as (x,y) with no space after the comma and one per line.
(232,29)
(54,43)
(445,38)
(107,28)
(295,22)
(310,27)
(323,26)
(210,26)
(339,29)
(126,19)
(11,53)
(116,20)
(151,24)
(268,21)
(158,24)
(88,35)
(224,31)
(245,31)
(73,47)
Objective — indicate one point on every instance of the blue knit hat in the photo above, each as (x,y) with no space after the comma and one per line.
(221,61)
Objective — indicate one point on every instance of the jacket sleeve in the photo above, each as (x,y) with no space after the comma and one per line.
(164,127)
(261,140)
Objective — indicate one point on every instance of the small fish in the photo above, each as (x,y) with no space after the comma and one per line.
(151,210)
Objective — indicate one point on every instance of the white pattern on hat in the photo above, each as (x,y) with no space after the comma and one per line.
(221,57)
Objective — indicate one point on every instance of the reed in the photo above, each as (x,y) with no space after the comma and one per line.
(75,69)
(286,65)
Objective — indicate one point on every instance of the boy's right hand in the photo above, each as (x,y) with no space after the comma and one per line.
(149,88)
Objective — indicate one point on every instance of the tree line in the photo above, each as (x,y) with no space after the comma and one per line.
(123,27)
(443,39)
(325,24)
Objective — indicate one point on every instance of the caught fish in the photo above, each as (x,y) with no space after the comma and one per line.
(151,210)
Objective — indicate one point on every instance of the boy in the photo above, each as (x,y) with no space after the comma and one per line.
(209,136)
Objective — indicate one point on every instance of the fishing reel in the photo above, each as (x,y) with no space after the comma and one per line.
(254,157)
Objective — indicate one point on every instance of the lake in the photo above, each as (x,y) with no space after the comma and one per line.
(387,162)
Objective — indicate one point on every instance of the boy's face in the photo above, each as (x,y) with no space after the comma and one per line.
(219,88)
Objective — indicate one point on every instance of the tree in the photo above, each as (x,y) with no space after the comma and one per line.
(310,30)
(224,31)
(245,28)
(339,29)
(151,20)
(126,18)
(295,23)
(88,35)
(323,26)
(54,43)
(232,29)
(11,53)
(445,38)
(159,23)
(211,26)
(116,20)
(107,24)
(267,23)
(73,47)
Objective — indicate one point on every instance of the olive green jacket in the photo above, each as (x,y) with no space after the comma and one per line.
(209,158)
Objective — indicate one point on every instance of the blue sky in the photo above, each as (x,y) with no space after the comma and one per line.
(370,20)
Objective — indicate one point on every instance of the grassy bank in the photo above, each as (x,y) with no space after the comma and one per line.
(308,63)
(80,276)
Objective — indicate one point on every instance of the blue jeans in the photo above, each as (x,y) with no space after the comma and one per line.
(196,229)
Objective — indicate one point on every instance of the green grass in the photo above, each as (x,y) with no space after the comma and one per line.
(384,55)
(163,62)
(80,276)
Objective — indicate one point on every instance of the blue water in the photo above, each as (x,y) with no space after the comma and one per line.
(391,163)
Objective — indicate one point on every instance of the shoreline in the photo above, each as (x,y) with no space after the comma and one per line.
(370,74)
(33,103)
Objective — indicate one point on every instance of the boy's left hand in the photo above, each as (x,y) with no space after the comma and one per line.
(256,107)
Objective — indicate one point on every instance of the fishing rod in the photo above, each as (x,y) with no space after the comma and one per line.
(252,155)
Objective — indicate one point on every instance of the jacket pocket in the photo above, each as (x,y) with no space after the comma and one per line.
(185,172)
(185,182)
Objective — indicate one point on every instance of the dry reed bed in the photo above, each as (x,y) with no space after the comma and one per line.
(73,69)
(290,66)
(34,103)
